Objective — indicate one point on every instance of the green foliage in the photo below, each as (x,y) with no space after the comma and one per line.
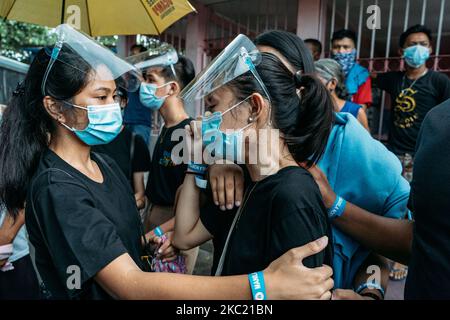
(108,41)
(16,37)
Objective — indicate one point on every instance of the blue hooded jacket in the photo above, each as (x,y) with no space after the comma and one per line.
(361,170)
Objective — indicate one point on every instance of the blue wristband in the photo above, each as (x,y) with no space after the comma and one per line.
(338,208)
(198,168)
(258,286)
(158,231)
(200,182)
(370,285)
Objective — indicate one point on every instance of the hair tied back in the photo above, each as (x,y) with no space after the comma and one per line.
(20,90)
(298,79)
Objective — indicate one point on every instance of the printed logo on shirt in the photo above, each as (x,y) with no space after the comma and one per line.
(166,160)
(405,114)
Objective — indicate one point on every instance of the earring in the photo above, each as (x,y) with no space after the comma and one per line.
(250,120)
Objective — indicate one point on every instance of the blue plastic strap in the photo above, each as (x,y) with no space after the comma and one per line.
(372,286)
(158,232)
(55,52)
(338,208)
(257,285)
(198,168)
(200,182)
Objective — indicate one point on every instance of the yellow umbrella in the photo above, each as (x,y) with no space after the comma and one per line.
(100,17)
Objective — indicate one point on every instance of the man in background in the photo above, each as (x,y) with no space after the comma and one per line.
(136,49)
(137,118)
(414,92)
(315,47)
(357,78)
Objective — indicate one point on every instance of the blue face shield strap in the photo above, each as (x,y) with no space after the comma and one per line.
(172,63)
(251,66)
(249,62)
(54,55)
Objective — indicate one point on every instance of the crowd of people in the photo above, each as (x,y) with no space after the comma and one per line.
(88,212)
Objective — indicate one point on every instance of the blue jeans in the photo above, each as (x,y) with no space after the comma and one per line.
(142,130)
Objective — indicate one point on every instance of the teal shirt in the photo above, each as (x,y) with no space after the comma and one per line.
(364,172)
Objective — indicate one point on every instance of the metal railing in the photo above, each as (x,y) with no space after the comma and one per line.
(438,62)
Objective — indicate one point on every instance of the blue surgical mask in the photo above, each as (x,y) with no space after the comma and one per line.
(347,60)
(223,144)
(105,123)
(416,56)
(147,95)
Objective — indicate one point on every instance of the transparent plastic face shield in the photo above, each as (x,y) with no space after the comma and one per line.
(103,64)
(162,57)
(239,57)
(218,85)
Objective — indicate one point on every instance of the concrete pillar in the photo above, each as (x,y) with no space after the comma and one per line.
(195,47)
(311,19)
(196,35)
(123,45)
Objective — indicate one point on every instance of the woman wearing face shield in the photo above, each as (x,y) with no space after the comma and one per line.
(374,203)
(80,211)
(282,207)
(130,152)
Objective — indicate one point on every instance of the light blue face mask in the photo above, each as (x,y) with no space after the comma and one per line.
(416,56)
(105,123)
(220,144)
(147,95)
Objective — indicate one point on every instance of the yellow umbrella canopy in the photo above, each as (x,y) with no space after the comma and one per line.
(99,17)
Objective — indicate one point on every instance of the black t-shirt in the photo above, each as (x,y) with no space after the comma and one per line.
(429,267)
(86,224)
(120,151)
(218,221)
(166,177)
(282,212)
(410,107)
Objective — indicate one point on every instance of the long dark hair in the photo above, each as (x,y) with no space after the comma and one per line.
(304,120)
(290,46)
(27,127)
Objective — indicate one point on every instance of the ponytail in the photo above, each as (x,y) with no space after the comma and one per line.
(302,108)
(314,120)
(23,137)
(305,120)
(26,126)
